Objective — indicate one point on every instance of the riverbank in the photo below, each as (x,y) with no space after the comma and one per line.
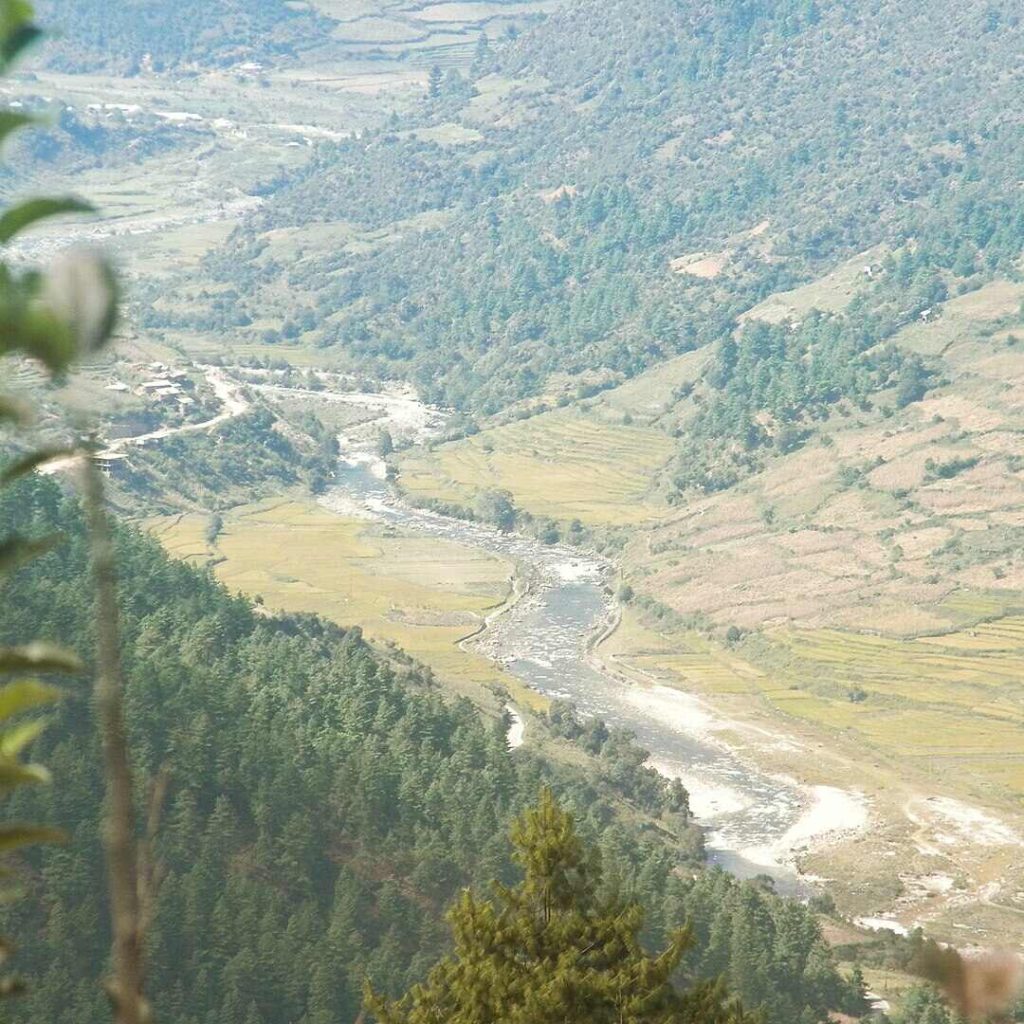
(775,797)
(877,837)
(828,813)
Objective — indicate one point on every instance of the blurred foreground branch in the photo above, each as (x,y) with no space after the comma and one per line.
(119,832)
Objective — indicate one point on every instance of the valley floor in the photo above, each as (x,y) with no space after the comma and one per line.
(896,832)
(879,646)
(929,851)
(853,612)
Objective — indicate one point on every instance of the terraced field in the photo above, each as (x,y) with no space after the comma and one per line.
(936,744)
(903,525)
(945,704)
(422,33)
(423,594)
(683,658)
(876,574)
(563,464)
(946,708)
(832,292)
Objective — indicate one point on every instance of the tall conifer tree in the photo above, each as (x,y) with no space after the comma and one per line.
(550,951)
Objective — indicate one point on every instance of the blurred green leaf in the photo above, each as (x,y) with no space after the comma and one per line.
(25,695)
(19,41)
(37,332)
(15,551)
(11,121)
(14,774)
(54,319)
(80,291)
(38,657)
(14,740)
(13,13)
(15,835)
(17,30)
(14,220)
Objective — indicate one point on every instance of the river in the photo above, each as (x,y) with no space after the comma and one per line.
(754,819)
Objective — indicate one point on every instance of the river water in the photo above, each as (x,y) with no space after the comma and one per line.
(544,640)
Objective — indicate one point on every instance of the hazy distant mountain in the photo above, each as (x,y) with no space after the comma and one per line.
(124,35)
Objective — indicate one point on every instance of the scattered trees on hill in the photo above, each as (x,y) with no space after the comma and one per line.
(545,246)
(769,382)
(132,37)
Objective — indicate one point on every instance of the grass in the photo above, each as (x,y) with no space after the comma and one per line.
(204,346)
(378,30)
(830,293)
(944,707)
(503,100)
(960,315)
(655,391)
(448,134)
(562,464)
(422,594)
(476,14)
(890,985)
(685,658)
(936,720)
(948,703)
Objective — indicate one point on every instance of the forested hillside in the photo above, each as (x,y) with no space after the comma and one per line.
(323,809)
(622,181)
(122,36)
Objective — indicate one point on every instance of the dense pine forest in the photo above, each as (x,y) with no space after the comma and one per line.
(323,808)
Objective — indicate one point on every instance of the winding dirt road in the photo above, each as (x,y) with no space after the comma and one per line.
(229,393)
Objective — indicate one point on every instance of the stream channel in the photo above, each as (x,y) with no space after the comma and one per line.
(544,639)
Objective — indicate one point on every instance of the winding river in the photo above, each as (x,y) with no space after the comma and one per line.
(544,639)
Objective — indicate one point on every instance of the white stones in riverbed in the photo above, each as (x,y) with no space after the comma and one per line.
(516,727)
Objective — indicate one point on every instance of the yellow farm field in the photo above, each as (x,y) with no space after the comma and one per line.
(421,593)
(687,660)
(562,464)
(949,707)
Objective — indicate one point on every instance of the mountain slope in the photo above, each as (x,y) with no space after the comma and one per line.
(125,35)
(622,181)
(323,809)
(853,597)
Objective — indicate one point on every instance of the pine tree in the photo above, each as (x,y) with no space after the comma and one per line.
(483,59)
(550,951)
(434,82)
